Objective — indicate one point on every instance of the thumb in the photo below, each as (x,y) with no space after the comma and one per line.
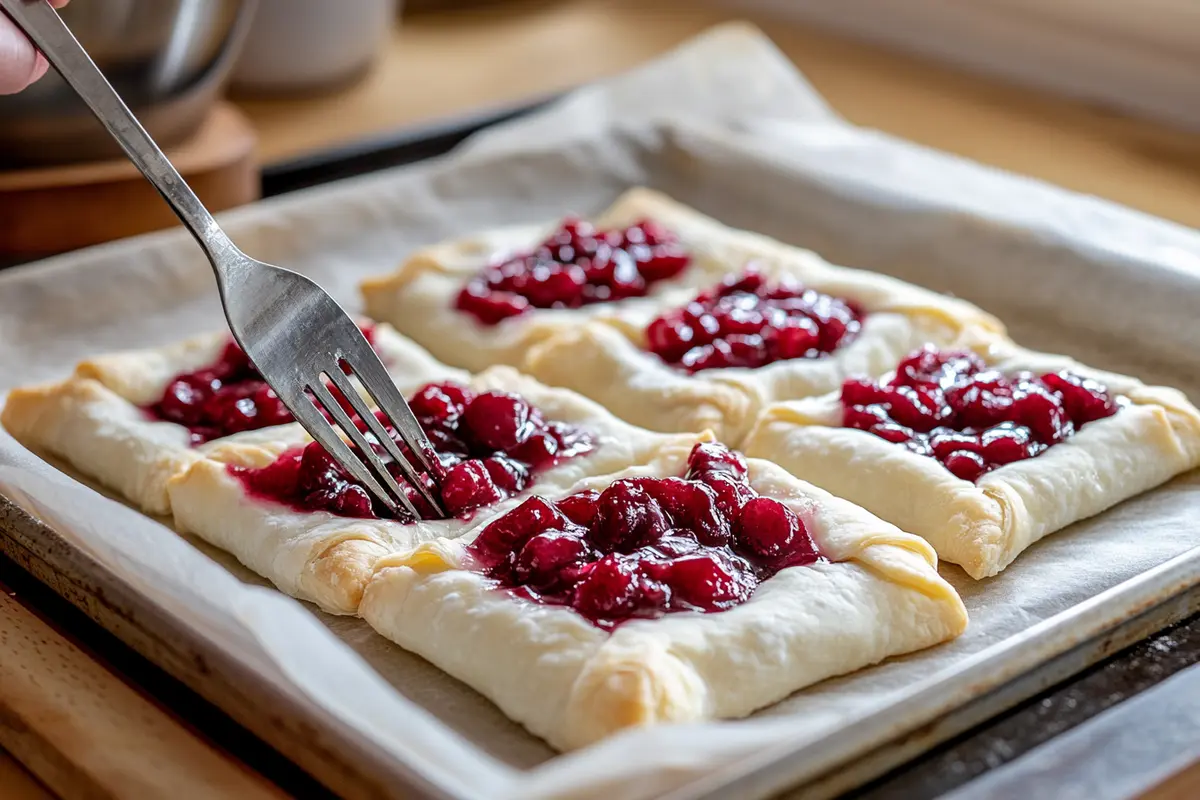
(20,63)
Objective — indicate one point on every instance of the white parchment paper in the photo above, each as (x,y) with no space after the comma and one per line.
(727,125)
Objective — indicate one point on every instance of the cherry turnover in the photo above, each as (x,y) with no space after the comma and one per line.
(576,266)
(490,444)
(952,407)
(748,321)
(645,547)
(223,398)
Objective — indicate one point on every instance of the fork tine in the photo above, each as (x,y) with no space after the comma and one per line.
(339,379)
(375,379)
(323,432)
(322,393)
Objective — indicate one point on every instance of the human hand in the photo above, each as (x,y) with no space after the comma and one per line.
(20,63)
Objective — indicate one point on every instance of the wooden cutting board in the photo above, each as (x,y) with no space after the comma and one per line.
(54,209)
(85,733)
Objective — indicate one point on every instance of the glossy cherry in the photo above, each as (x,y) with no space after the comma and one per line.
(748,321)
(644,547)
(223,398)
(577,265)
(952,407)
(480,439)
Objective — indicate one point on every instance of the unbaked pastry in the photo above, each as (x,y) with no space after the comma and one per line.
(598,350)
(983,525)
(641,387)
(419,298)
(573,683)
(96,422)
(325,558)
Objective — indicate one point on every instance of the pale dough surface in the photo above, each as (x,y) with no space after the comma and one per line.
(638,386)
(94,421)
(418,299)
(574,684)
(984,526)
(327,559)
(643,389)
(581,349)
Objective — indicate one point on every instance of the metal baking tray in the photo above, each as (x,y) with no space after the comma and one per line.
(990,684)
(976,690)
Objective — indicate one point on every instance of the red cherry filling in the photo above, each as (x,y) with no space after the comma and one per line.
(577,266)
(645,547)
(952,407)
(481,441)
(225,397)
(749,322)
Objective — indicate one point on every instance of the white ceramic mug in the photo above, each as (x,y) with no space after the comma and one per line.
(295,45)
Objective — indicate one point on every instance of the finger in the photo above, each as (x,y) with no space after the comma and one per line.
(20,63)
(40,66)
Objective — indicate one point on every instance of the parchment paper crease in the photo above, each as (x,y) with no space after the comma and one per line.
(726,124)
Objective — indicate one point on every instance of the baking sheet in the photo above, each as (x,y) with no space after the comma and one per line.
(724,124)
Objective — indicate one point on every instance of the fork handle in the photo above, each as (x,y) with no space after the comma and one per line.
(47,31)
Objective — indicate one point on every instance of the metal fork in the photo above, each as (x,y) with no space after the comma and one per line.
(295,334)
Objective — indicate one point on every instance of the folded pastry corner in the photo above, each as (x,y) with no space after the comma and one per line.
(713,322)
(135,419)
(597,361)
(578,637)
(102,435)
(485,299)
(655,373)
(285,510)
(984,453)
(323,558)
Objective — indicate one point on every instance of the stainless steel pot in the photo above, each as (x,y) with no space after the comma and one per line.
(169,59)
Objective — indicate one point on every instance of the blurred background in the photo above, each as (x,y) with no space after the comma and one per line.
(264,96)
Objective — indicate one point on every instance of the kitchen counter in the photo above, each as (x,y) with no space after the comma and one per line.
(442,64)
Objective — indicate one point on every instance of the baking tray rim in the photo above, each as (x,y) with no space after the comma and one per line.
(351,760)
(344,759)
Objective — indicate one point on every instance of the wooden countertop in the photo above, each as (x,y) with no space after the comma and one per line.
(442,64)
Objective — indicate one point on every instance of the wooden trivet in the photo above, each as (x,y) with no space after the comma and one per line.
(50,210)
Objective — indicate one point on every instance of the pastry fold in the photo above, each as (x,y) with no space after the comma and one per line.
(599,350)
(573,684)
(983,526)
(327,559)
(94,420)
(418,298)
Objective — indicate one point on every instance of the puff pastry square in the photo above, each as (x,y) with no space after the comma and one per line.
(638,385)
(985,524)
(419,298)
(599,350)
(325,558)
(574,683)
(96,421)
